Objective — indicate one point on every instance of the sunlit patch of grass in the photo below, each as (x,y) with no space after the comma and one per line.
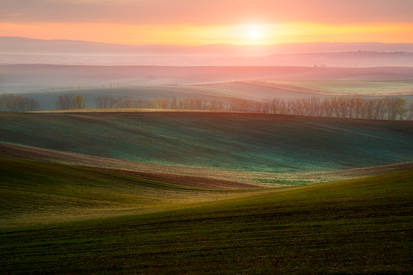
(39,192)
(285,182)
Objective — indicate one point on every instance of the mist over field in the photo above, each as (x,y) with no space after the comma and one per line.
(15,50)
(206,137)
(252,72)
(247,89)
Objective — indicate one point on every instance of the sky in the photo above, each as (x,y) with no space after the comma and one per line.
(202,22)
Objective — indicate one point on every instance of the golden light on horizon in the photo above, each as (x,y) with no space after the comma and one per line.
(238,34)
(173,22)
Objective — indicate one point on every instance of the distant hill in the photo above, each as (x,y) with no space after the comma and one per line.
(49,78)
(16,44)
(17,50)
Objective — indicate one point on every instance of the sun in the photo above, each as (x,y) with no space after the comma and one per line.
(255,33)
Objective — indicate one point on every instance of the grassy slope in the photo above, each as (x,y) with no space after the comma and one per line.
(217,140)
(361,225)
(198,177)
(38,192)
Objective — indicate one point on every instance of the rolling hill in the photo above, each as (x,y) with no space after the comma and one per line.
(361,226)
(228,141)
(45,192)
(47,78)
(197,177)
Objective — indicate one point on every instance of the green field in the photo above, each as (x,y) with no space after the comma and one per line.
(357,226)
(217,193)
(243,142)
(40,192)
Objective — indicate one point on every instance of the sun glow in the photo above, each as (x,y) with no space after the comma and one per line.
(255,33)
(239,34)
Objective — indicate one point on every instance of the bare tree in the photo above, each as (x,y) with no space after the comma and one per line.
(69,101)
(13,103)
(106,101)
(79,102)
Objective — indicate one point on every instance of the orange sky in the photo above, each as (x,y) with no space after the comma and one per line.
(198,22)
(251,33)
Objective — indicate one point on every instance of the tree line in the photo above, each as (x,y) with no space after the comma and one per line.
(386,108)
(69,101)
(17,103)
